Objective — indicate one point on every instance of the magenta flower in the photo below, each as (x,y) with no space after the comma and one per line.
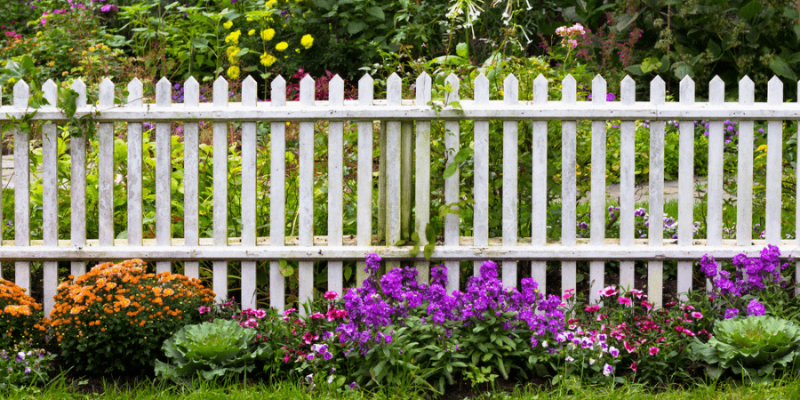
(592,308)
(204,309)
(624,301)
(331,295)
(608,291)
(653,351)
(697,315)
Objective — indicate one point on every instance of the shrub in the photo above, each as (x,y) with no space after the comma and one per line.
(20,316)
(753,347)
(115,317)
(211,350)
(23,366)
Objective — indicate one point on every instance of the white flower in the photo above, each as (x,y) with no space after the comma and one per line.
(591,361)
(544,344)
(569,359)
(330,379)
(607,370)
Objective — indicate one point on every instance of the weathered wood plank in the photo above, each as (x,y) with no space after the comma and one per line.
(627,186)
(134,228)
(597,269)
(568,184)
(164,173)
(716,138)
(510,177)
(655,269)
(335,184)
(105,190)
(539,184)
(277,215)
(78,185)
(451,186)
(422,190)
(22,188)
(364,217)
(49,197)
(774,164)
(220,191)
(191,168)
(686,188)
(306,192)
(480,215)
(393,149)
(744,181)
(249,154)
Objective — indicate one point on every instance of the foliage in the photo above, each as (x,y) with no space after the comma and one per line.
(122,303)
(757,347)
(21,317)
(210,350)
(24,366)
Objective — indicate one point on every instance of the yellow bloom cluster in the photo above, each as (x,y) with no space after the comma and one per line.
(233,37)
(233,72)
(267,60)
(282,46)
(251,32)
(231,52)
(267,34)
(307,41)
(228,24)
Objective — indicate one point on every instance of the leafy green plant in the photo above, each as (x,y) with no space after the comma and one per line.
(210,350)
(24,366)
(753,347)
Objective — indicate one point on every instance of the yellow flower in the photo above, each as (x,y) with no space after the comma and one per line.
(233,37)
(228,24)
(251,32)
(233,72)
(232,51)
(307,41)
(39,33)
(52,63)
(268,34)
(269,3)
(11,81)
(267,60)
(282,46)
(297,51)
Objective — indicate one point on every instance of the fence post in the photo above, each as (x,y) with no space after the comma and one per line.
(422,192)
(365,159)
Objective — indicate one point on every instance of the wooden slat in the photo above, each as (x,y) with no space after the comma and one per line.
(22,189)
(406,177)
(364,218)
(774,164)
(134,228)
(655,269)
(277,199)
(220,194)
(597,269)
(422,192)
(480,215)
(539,185)
(686,188)
(382,182)
(797,210)
(1,188)
(568,184)
(716,138)
(105,190)
(164,173)
(249,154)
(78,185)
(191,165)
(744,181)
(335,185)
(451,187)
(306,192)
(627,175)
(393,149)
(510,177)
(49,198)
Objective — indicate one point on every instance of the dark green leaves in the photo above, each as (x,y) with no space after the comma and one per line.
(751,9)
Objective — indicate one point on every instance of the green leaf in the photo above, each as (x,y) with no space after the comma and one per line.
(450,170)
(376,12)
(635,70)
(355,26)
(782,68)
(462,50)
(428,250)
(286,269)
(650,64)
(626,20)
(751,9)
(199,42)
(682,69)
(714,49)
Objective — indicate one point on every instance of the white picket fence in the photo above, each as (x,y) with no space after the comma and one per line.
(400,118)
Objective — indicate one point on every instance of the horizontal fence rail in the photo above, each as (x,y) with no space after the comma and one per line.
(405,131)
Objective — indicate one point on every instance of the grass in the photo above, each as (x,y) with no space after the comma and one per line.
(783,389)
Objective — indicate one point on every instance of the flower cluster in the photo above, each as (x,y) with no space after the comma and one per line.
(21,317)
(570,35)
(23,366)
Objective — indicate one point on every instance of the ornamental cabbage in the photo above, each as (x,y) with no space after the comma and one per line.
(754,347)
(210,349)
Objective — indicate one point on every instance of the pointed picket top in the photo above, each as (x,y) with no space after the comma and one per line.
(163,92)
(336,92)
(540,89)
(307,91)
(775,91)
(511,89)
(278,93)
(716,91)
(627,90)
(221,92)
(481,89)
(687,90)
(746,90)
(365,90)
(454,83)
(191,93)
(394,89)
(658,90)
(106,95)
(80,87)
(50,92)
(249,92)
(568,87)
(135,93)
(423,89)
(22,94)
(599,89)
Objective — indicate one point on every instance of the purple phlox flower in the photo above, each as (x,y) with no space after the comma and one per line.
(731,313)
(754,308)
(708,266)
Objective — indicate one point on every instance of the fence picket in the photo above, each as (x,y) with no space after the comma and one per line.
(164,174)
(191,166)
(539,184)
(451,185)
(105,189)
(78,185)
(569,131)
(277,199)
(22,188)
(744,181)
(627,159)
(510,178)
(306,191)
(335,185)
(393,149)
(134,228)
(655,269)
(220,194)
(597,269)
(422,192)
(686,188)
(364,218)
(249,154)
(716,138)
(480,217)
(797,210)
(49,197)
(774,165)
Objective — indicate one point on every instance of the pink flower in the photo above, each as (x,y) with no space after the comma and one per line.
(624,301)
(592,308)
(653,351)
(647,305)
(331,295)
(638,293)
(608,291)
(203,309)
(317,316)
(697,315)
(629,347)
(634,367)
(289,311)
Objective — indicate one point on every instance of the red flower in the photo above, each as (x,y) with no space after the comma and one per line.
(634,367)
(331,295)
(592,308)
